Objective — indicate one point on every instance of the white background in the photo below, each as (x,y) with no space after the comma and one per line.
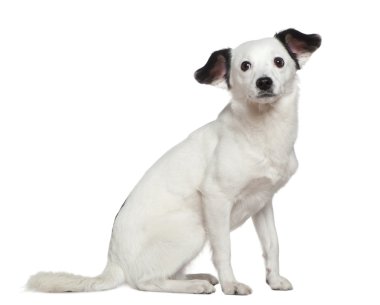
(93,92)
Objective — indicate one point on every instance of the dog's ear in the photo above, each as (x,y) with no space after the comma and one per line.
(299,45)
(217,69)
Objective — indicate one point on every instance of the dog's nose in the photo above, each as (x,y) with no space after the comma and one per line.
(264,83)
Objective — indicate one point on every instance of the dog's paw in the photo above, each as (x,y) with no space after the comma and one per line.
(201,286)
(279,283)
(236,288)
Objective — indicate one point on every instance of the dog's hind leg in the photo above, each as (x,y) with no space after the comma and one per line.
(173,243)
(179,286)
(181,275)
(203,276)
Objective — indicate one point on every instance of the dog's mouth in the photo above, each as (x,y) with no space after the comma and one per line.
(263,97)
(265,94)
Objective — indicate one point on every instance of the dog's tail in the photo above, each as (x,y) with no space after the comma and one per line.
(111,277)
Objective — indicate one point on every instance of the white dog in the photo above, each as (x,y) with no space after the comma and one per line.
(222,174)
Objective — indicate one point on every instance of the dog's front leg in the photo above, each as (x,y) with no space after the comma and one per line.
(266,230)
(217,215)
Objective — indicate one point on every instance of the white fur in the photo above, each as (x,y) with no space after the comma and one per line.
(222,174)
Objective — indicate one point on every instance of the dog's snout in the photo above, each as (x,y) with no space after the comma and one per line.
(264,83)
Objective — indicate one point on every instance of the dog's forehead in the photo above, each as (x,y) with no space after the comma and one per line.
(262,47)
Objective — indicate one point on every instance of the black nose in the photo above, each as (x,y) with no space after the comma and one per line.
(264,83)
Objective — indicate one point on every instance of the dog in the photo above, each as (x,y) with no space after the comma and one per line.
(222,174)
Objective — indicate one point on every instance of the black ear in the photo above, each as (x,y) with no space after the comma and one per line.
(299,45)
(216,70)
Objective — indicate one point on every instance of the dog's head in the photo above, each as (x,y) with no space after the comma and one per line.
(260,71)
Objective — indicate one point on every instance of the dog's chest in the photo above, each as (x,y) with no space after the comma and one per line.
(263,167)
(265,156)
(265,171)
(265,180)
(254,159)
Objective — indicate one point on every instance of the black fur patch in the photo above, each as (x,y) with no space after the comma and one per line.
(218,66)
(306,43)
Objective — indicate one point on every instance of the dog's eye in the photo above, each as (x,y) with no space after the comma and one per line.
(279,62)
(245,65)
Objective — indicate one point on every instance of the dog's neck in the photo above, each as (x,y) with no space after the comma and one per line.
(255,113)
(275,124)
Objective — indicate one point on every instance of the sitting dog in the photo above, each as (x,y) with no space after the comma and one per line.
(222,174)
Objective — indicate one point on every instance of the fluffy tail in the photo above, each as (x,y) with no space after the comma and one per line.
(111,277)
